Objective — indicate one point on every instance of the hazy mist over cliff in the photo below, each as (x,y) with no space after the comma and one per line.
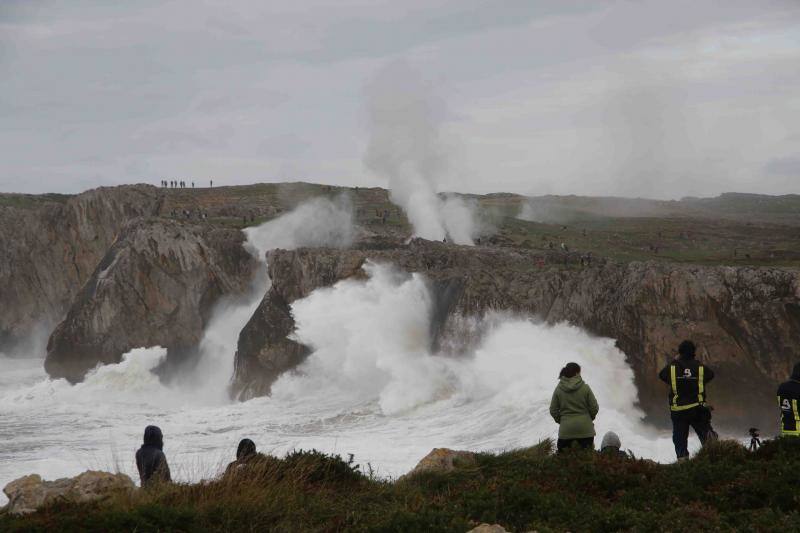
(657,99)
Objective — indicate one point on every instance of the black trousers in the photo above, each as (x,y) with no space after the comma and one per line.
(584,444)
(697,419)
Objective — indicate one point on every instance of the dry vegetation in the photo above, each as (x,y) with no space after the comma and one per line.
(724,488)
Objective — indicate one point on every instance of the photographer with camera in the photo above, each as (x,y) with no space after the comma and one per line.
(788,402)
(755,439)
(687,379)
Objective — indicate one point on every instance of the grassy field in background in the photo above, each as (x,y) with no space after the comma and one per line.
(31,201)
(732,229)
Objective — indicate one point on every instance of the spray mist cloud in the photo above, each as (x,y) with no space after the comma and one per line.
(376,350)
(316,223)
(405,118)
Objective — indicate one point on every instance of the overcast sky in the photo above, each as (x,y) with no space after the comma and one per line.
(659,99)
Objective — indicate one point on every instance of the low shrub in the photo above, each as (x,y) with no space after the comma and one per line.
(723,488)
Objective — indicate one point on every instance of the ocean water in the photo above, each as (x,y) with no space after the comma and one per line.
(371,387)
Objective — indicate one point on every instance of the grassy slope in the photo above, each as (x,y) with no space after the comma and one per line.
(724,488)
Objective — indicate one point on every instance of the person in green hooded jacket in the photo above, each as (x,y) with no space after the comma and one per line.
(574,408)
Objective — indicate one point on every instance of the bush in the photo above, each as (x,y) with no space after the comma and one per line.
(723,488)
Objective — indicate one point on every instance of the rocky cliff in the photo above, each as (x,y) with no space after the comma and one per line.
(746,321)
(49,250)
(156,285)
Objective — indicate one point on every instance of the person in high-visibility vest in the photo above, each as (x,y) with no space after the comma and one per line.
(789,403)
(687,379)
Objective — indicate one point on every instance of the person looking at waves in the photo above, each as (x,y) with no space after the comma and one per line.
(611,445)
(150,459)
(687,379)
(574,408)
(247,459)
(789,403)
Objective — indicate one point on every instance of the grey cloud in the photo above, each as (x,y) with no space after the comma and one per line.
(284,146)
(785,166)
(642,98)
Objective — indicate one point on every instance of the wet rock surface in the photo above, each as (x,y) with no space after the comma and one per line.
(48,253)
(156,286)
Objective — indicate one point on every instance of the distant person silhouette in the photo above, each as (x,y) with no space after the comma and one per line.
(150,459)
(574,408)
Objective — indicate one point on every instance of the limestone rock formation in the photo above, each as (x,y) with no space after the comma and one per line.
(156,285)
(48,252)
(745,320)
(443,460)
(29,493)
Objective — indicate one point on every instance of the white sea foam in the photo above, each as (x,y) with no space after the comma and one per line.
(371,387)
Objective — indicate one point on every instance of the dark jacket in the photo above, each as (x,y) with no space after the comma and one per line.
(150,459)
(574,408)
(253,464)
(789,404)
(687,379)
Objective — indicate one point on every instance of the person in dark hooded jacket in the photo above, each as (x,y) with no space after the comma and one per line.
(789,404)
(246,458)
(574,408)
(150,458)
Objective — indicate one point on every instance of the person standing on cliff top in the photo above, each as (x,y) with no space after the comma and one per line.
(574,408)
(687,380)
(789,403)
(150,459)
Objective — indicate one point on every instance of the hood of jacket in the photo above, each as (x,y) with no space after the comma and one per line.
(153,437)
(246,448)
(570,384)
(611,440)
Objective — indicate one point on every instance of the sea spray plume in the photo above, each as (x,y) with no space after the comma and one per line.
(545,212)
(375,346)
(404,119)
(460,219)
(377,349)
(316,222)
(33,345)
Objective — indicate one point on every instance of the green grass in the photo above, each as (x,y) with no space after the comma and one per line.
(691,232)
(31,201)
(724,488)
(691,241)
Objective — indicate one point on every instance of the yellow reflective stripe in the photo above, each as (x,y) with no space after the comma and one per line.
(674,381)
(700,385)
(683,407)
(779,402)
(796,415)
(787,432)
